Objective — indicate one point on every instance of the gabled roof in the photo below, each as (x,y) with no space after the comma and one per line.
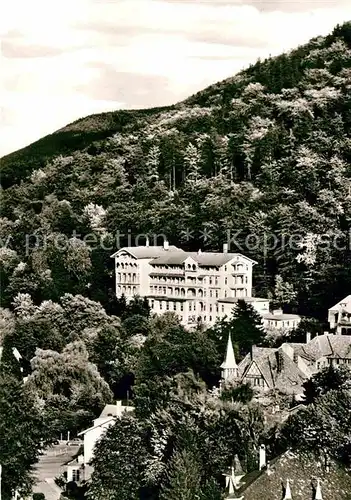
(176,256)
(150,252)
(303,473)
(327,345)
(115,410)
(101,423)
(217,259)
(339,306)
(276,367)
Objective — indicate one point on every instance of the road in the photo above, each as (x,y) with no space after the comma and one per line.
(50,466)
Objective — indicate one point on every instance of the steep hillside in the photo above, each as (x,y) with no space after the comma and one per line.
(261,160)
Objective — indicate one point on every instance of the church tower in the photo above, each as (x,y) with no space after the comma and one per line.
(287,495)
(318,491)
(229,367)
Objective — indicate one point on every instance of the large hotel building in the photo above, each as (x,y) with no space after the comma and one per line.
(194,285)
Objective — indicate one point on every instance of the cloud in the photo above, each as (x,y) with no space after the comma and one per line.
(64,59)
(135,90)
(288,6)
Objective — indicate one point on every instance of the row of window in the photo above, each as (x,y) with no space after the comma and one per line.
(256,381)
(287,323)
(179,306)
(191,292)
(211,280)
(127,278)
(126,265)
(180,292)
(126,290)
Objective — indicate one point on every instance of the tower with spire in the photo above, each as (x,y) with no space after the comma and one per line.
(287,495)
(229,367)
(318,495)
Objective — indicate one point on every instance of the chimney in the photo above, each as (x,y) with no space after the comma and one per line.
(326,333)
(279,359)
(147,244)
(277,311)
(199,252)
(225,248)
(308,337)
(166,245)
(262,457)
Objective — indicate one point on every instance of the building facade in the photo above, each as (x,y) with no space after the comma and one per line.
(80,469)
(339,317)
(196,286)
(286,368)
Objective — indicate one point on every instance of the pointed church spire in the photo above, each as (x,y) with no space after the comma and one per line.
(229,366)
(318,491)
(287,495)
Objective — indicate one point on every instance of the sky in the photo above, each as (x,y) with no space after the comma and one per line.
(65,59)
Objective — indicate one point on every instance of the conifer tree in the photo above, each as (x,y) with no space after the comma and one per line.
(247,326)
(192,162)
(183,477)
(153,163)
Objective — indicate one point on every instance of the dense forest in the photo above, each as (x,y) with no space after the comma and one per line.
(264,156)
(260,161)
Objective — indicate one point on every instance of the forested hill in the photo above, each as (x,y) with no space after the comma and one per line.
(264,156)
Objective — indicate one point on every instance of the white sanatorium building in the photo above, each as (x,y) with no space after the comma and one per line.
(193,285)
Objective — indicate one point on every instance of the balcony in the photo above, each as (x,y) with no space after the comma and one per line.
(167,272)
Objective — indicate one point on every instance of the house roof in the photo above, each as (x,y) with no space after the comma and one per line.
(327,345)
(276,367)
(234,300)
(108,414)
(115,410)
(303,473)
(344,304)
(176,256)
(98,424)
(170,257)
(151,252)
(280,317)
(212,258)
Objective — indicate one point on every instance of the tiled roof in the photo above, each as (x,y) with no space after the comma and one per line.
(176,256)
(328,345)
(234,300)
(281,317)
(303,473)
(170,257)
(150,252)
(278,370)
(212,258)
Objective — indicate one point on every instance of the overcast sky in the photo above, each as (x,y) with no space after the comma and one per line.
(65,59)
